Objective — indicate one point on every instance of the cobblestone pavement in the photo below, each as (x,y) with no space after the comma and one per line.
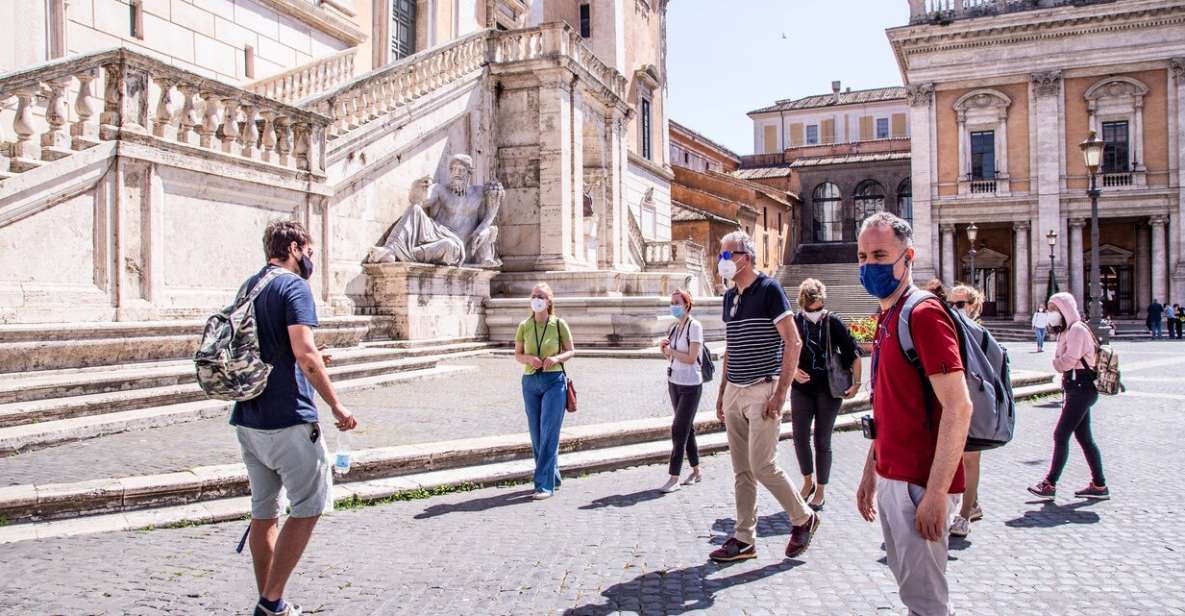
(608,544)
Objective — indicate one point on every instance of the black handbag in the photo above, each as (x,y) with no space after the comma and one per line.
(839,378)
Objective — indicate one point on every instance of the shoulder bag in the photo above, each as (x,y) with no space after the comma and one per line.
(839,378)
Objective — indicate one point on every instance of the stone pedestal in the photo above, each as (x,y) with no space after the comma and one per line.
(595,283)
(631,322)
(428,302)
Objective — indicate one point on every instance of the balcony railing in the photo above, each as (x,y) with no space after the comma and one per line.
(1111,180)
(940,11)
(143,98)
(308,80)
(982,186)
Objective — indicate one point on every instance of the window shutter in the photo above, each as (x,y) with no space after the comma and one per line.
(796,134)
(828,131)
(899,129)
(865,128)
(771,139)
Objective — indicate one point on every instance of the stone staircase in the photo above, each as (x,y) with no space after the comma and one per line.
(845,296)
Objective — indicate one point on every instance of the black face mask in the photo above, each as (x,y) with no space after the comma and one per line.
(306,267)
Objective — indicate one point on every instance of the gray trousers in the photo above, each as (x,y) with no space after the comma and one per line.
(918,565)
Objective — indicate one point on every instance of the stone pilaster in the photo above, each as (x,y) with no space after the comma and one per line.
(1020,262)
(1177,145)
(1076,263)
(921,102)
(1143,276)
(555,171)
(1046,89)
(1159,259)
(949,271)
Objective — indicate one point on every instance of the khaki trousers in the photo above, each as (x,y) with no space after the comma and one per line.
(753,446)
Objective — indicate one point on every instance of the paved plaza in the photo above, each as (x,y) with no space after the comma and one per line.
(610,544)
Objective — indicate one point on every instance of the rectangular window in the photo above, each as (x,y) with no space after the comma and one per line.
(136,17)
(770,134)
(812,134)
(796,134)
(866,128)
(882,128)
(585,20)
(1115,150)
(983,155)
(403,29)
(644,127)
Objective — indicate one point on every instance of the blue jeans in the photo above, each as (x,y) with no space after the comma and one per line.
(1157,331)
(1040,338)
(545,394)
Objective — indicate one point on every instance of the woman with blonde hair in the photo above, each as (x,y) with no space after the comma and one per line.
(813,397)
(685,382)
(969,301)
(542,344)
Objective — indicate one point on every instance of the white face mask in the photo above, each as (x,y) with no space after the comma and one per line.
(813,315)
(538,304)
(1055,319)
(727,269)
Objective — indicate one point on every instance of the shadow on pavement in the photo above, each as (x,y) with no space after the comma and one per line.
(477,504)
(624,500)
(1051,515)
(675,591)
(767,526)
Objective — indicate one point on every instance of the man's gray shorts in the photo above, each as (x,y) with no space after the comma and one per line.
(287,459)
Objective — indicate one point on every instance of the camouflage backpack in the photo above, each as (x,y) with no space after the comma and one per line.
(228,362)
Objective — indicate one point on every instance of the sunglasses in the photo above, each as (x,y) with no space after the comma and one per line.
(959,304)
(727,255)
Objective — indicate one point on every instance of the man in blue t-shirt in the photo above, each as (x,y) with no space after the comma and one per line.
(278,431)
(760,360)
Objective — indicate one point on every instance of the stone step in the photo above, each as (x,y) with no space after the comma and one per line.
(51,409)
(63,383)
(385,465)
(26,437)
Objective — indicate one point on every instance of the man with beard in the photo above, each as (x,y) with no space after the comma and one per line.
(446,225)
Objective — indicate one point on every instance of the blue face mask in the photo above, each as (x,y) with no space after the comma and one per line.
(878,279)
(677,311)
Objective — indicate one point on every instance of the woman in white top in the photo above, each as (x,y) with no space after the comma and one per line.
(686,384)
(1040,323)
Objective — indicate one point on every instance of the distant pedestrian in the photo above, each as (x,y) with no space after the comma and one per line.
(1155,317)
(1075,358)
(685,383)
(759,363)
(1175,316)
(543,344)
(1040,324)
(914,463)
(936,287)
(970,301)
(278,431)
(813,396)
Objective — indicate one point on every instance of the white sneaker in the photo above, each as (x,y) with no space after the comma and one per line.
(693,478)
(976,514)
(960,527)
(672,485)
(542,495)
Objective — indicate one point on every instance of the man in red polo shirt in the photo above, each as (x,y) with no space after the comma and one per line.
(915,462)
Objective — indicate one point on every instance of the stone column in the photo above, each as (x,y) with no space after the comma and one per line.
(555,171)
(1177,144)
(1076,259)
(1159,259)
(1143,277)
(921,101)
(1020,267)
(949,271)
(1050,146)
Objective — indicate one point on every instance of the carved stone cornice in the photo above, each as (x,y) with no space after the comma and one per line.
(1020,225)
(919,94)
(1077,223)
(1047,83)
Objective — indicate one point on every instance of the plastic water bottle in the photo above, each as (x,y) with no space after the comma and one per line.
(343,454)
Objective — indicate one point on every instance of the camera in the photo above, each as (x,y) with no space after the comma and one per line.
(868,427)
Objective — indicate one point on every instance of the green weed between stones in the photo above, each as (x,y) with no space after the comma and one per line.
(407,495)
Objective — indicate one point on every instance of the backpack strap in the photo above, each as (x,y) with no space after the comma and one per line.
(905,339)
(260,286)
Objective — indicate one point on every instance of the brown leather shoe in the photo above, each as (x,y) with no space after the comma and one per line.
(800,537)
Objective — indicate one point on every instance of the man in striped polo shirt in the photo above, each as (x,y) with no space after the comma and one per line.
(759,364)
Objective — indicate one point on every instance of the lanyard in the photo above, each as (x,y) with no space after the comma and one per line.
(539,338)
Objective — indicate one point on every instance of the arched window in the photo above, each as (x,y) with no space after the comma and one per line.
(828,213)
(905,200)
(869,199)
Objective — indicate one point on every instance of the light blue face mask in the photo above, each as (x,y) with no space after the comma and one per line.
(677,311)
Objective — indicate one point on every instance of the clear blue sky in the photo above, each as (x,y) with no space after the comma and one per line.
(728,57)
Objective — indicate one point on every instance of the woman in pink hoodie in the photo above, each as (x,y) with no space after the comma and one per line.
(1075,358)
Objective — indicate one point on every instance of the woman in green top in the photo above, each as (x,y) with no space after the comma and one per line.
(542,344)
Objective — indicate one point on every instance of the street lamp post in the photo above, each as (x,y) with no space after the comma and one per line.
(1092,155)
(972,233)
(1051,286)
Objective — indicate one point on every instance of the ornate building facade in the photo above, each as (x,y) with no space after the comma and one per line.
(1000,95)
